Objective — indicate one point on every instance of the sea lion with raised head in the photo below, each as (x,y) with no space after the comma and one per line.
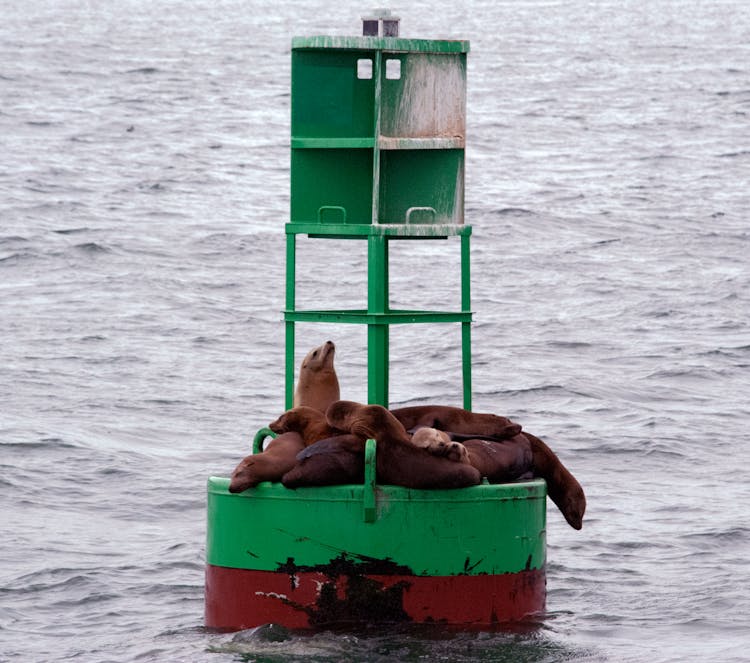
(279,457)
(332,461)
(317,385)
(310,423)
(457,420)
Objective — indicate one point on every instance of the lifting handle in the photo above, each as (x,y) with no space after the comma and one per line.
(424,210)
(331,208)
(260,437)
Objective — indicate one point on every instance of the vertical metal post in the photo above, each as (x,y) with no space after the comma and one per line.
(378,92)
(466,326)
(290,297)
(377,334)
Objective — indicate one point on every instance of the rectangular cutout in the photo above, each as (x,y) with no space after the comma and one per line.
(393,69)
(364,68)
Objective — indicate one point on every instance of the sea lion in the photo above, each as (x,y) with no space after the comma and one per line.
(439,443)
(405,465)
(332,461)
(270,465)
(317,385)
(500,462)
(562,487)
(369,421)
(398,461)
(310,423)
(457,420)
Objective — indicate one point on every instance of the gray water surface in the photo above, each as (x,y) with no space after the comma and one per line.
(144,160)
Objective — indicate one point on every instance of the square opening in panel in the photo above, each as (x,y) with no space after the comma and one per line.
(364,68)
(393,69)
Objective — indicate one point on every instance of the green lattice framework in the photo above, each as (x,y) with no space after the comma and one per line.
(378,140)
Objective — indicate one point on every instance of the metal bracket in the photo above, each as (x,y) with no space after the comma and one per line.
(368,489)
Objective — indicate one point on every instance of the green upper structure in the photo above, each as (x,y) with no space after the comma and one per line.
(378,139)
(378,130)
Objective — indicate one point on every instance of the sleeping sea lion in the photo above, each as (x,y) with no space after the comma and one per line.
(310,423)
(317,385)
(402,464)
(439,443)
(500,462)
(369,421)
(457,420)
(398,461)
(270,465)
(332,461)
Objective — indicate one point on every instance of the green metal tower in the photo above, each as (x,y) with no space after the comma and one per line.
(378,141)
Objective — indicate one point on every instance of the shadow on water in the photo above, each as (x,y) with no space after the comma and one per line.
(528,643)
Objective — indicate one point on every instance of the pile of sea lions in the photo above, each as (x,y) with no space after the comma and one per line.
(321,441)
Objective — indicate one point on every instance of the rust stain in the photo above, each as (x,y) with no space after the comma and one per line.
(349,596)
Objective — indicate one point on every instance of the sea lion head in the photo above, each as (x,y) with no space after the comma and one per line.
(320,358)
(297,419)
(368,421)
(439,443)
(243,476)
(318,385)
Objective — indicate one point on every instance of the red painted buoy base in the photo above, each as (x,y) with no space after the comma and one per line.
(237,599)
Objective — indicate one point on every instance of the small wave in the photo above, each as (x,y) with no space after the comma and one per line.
(92,247)
(16,257)
(71,231)
(513,211)
(12,239)
(732,155)
(42,443)
(143,70)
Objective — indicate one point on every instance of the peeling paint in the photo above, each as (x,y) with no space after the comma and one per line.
(428,101)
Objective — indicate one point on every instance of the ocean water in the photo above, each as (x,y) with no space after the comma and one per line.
(144,160)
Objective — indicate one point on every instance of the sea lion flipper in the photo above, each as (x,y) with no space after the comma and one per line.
(562,487)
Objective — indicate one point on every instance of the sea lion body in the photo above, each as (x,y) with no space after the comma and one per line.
(331,461)
(310,423)
(368,421)
(398,461)
(401,464)
(501,462)
(317,385)
(270,465)
(457,420)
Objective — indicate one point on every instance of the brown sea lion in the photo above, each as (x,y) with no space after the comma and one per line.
(503,461)
(332,461)
(402,464)
(369,421)
(270,465)
(317,385)
(310,423)
(439,443)
(457,420)
(398,461)
(562,487)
